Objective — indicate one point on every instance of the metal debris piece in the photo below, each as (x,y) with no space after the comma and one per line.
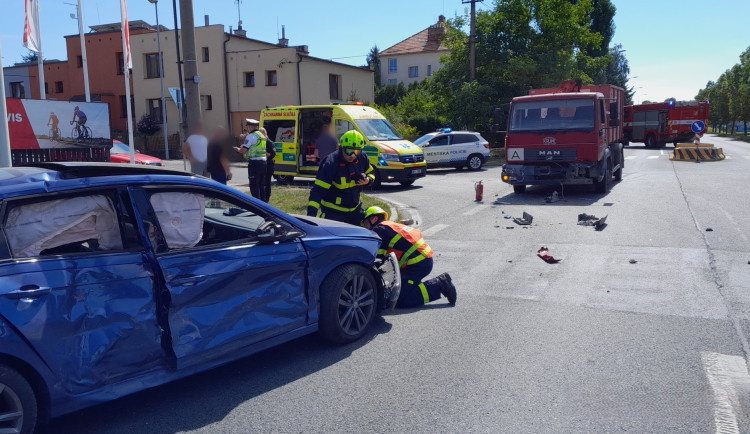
(709,230)
(543,253)
(633,261)
(508,217)
(526,220)
(552,197)
(591,220)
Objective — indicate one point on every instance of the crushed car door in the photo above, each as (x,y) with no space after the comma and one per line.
(76,286)
(228,288)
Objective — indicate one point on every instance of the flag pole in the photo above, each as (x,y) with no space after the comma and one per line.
(126,67)
(5,155)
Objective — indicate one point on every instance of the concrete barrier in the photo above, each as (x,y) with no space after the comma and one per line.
(697,152)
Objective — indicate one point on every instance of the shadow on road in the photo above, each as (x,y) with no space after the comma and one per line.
(202,399)
(569,195)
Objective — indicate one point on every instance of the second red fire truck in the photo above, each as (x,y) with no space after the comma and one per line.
(656,124)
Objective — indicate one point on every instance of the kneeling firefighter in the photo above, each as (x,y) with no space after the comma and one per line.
(414,258)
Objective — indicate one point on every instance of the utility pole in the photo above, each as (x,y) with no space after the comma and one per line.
(192,88)
(472,38)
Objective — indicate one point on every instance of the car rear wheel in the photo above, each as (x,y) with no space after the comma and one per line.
(475,161)
(18,406)
(518,189)
(348,303)
(284,179)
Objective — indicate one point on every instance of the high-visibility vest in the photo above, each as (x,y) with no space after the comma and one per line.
(408,244)
(258,150)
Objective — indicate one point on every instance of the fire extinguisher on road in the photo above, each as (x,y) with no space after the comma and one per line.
(479,191)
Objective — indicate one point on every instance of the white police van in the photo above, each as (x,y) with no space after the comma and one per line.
(448,148)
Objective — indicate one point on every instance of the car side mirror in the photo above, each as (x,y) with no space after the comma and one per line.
(271,232)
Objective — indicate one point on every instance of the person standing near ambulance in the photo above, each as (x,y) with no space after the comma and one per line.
(341,177)
(414,259)
(254,151)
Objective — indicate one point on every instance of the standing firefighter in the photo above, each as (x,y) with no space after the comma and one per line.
(340,179)
(414,257)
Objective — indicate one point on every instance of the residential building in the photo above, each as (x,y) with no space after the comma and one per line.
(240,76)
(17,81)
(415,58)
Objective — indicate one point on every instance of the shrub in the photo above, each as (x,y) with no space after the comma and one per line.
(147,126)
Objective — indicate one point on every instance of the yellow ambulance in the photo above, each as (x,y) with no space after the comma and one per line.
(295,130)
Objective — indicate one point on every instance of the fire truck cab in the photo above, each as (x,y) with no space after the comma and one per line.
(656,124)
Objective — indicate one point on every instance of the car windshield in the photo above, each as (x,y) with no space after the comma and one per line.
(423,139)
(119,148)
(552,115)
(378,129)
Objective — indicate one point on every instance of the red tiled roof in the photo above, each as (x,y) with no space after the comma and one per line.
(420,42)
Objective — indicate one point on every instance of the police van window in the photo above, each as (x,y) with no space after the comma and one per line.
(343,126)
(439,141)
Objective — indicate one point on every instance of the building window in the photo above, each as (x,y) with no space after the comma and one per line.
(205,54)
(152,65)
(154,110)
(334,86)
(392,66)
(413,71)
(80,61)
(207,102)
(124,108)
(46,88)
(250,79)
(270,78)
(429,70)
(59,86)
(17,90)
(392,81)
(120,63)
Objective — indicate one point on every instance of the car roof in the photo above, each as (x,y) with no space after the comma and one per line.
(41,176)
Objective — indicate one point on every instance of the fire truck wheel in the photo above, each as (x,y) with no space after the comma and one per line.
(519,189)
(618,172)
(602,187)
(650,141)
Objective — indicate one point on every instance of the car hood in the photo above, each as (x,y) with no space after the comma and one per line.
(400,146)
(337,229)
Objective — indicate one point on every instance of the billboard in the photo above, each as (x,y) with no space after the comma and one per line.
(45,124)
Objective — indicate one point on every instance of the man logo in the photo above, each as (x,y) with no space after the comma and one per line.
(549,153)
(549,141)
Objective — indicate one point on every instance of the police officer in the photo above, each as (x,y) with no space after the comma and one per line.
(414,257)
(254,151)
(341,177)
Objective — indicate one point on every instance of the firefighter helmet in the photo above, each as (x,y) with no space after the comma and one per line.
(352,139)
(376,210)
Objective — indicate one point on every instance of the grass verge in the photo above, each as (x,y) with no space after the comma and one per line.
(293,200)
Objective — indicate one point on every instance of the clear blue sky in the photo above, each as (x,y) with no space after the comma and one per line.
(673,46)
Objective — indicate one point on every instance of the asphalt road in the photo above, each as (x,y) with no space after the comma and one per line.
(641,327)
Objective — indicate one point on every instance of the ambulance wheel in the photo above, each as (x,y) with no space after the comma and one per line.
(474,162)
(406,183)
(18,404)
(284,179)
(519,189)
(348,303)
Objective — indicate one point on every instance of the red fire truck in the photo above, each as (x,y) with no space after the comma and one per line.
(571,134)
(656,124)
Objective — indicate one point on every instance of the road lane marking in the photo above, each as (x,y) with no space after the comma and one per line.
(747,156)
(631,157)
(723,373)
(434,229)
(475,210)
(651,157)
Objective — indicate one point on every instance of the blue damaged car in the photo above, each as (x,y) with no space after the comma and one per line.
(118,278)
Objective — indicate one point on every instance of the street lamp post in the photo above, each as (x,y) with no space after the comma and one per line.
(161,78)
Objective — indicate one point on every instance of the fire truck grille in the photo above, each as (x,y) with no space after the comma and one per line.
(550,155)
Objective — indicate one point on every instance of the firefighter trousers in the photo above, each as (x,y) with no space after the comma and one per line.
(414,292)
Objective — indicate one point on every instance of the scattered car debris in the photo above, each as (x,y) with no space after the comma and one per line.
(633,261)
(592,220)
(508,216)
(510,227)
(552,197)
(543,253)
(709,230)
(525,220)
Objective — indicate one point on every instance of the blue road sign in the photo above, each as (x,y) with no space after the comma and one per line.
(698,127)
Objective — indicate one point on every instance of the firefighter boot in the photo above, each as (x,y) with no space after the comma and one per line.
(448,290)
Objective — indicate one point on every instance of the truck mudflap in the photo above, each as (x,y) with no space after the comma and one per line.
(551,174)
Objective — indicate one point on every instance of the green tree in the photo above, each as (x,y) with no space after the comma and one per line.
(30,56)
(389,94)
(373,61)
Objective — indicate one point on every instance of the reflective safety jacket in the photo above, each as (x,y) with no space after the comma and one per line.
(258,150)
(336,186)
(405,241)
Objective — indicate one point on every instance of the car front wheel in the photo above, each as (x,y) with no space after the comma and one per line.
(18,407)
(348,303)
